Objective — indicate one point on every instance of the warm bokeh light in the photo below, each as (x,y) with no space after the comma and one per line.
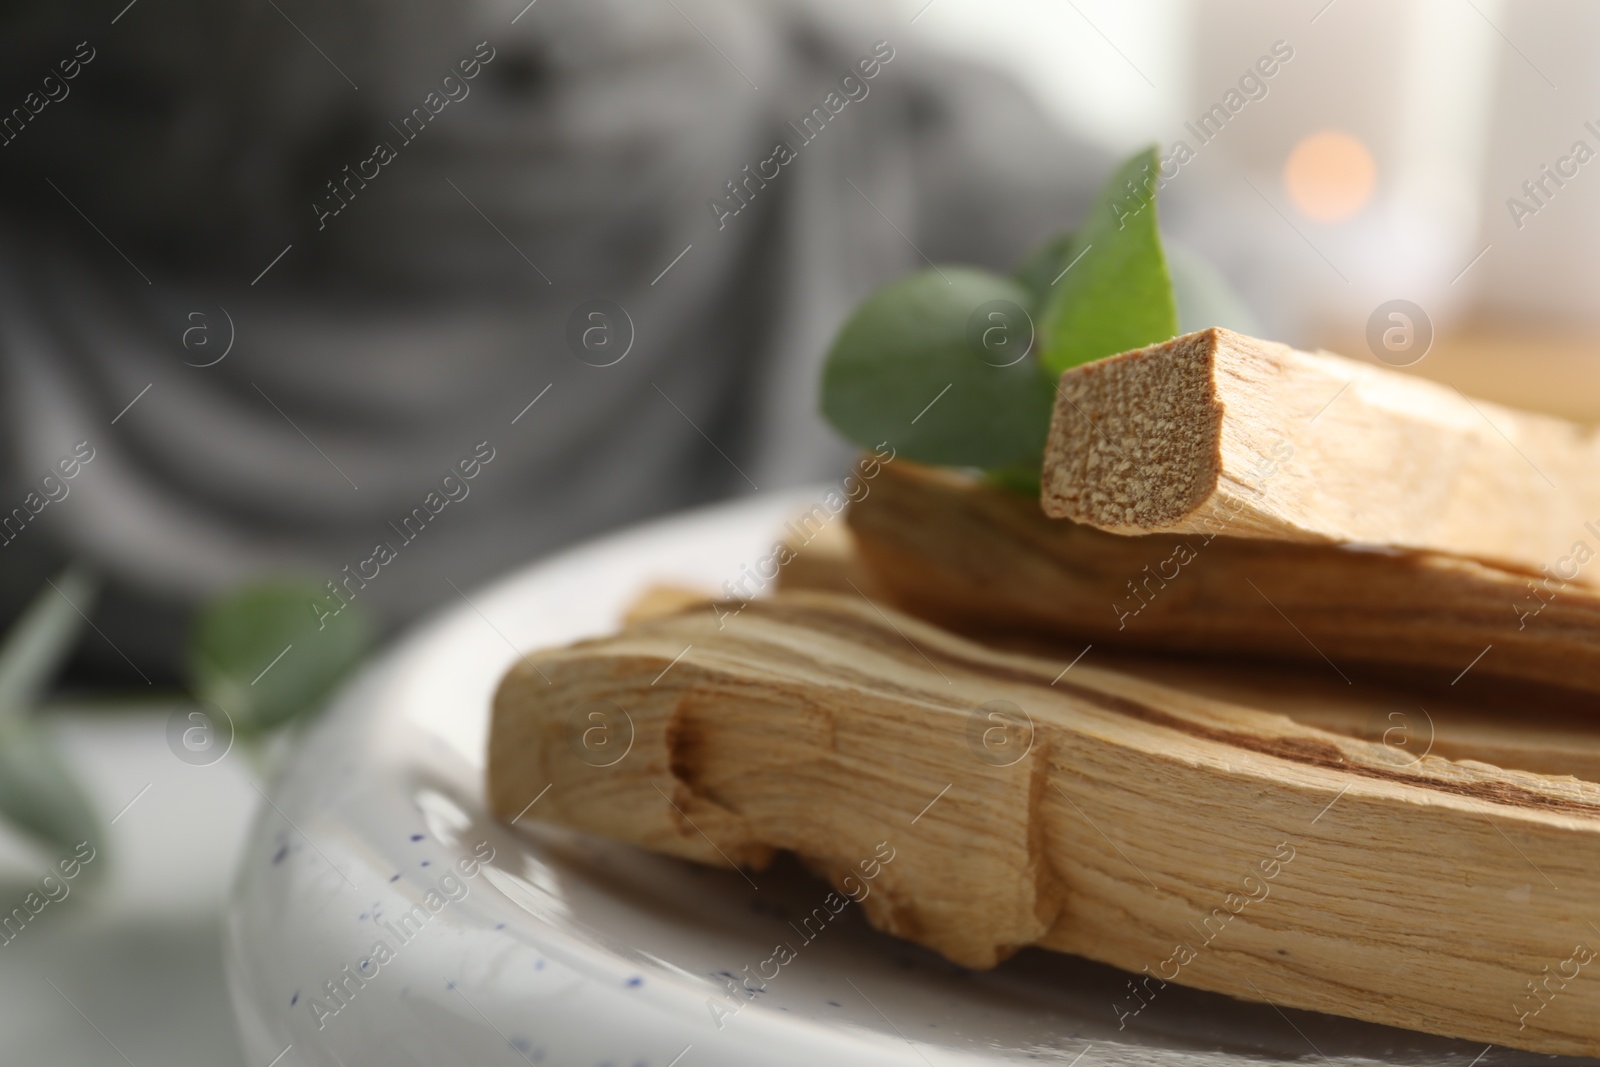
(1330,175)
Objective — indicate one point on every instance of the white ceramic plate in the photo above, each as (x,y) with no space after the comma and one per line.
(573,951)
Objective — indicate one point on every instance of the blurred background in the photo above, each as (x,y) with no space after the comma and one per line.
(285,272)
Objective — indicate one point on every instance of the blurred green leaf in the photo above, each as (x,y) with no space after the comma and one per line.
(37,792)
(1119,295)
(1043,267)
(41,638)
(261,654)
(1022,479)
(933,363)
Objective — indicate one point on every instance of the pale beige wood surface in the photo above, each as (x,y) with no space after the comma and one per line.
(655,601)
(1171,834)
(980,559)
(827,561)
(1216,432)
(1503,729)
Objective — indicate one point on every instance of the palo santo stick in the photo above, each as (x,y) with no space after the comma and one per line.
(1499,732)
(994,803)
(979,559)
(1222,433)
(824,561)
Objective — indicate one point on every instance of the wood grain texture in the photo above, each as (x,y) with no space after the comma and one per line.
(1502,728)
(1218,432)
(1179,837)
(980,560)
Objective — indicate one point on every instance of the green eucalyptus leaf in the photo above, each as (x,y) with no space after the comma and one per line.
(263,655)
(1119,295)
(940,364)
(39,641)
(37,792)
(1043,267)
(1024,478)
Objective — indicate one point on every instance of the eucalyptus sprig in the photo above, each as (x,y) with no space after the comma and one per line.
(957,366)
(258,653)
(38,794)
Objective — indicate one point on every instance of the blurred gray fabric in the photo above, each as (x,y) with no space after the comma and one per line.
(422,318)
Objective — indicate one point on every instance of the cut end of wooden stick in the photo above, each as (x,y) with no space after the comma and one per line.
(1219,433)
(1136,440)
